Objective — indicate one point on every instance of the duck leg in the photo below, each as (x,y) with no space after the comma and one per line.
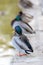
(21,54)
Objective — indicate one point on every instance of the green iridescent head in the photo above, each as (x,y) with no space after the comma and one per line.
(18,18)
(18,30)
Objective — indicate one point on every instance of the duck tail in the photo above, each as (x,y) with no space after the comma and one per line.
(28,51)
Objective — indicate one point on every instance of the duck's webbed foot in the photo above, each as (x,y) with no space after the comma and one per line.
(21,54)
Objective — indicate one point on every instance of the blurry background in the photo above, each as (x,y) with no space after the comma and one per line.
(8,11)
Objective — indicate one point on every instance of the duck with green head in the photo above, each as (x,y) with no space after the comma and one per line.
(21,42)
(26,28)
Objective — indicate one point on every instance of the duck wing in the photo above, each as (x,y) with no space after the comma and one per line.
(26,42)
(21,44)
(27,27)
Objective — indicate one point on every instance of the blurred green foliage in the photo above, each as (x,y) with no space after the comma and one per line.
(9,9)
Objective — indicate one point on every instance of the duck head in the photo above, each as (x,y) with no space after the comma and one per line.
(18,17)
(18,30)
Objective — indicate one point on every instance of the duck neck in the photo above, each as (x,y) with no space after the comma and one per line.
(18,34)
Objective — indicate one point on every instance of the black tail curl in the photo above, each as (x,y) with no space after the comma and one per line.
(28,51)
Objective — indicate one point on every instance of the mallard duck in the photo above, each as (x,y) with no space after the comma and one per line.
(26,28)
(21,42)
